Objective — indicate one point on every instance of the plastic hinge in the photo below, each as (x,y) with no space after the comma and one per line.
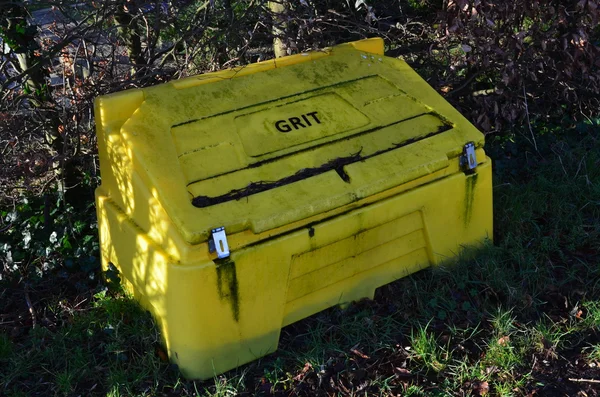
(218,243)
(468,160)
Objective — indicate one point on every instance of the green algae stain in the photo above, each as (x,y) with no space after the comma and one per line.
(227,285)
(470,183)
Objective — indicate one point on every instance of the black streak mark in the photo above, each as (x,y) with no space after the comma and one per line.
(335,164)
(342,173)
(227,285)
(470,183)
(258,187)
(311,231)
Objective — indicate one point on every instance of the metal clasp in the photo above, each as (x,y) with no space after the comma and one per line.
(468,160)
(218,243)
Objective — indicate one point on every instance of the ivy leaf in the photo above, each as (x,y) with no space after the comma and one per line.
(66,244)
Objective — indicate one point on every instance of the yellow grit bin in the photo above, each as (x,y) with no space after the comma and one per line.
(238,202)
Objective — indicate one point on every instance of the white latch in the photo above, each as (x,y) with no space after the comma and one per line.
(218,242)
(469,159)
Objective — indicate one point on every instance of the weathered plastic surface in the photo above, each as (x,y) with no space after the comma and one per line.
(333,173)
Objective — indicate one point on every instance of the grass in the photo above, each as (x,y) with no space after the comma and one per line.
(428,350)
(519,317)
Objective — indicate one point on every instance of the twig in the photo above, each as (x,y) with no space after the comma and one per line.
(396,52)
(487,91)
(6,228)
(30,306)
(579,167)
(226,64)
(465,84)
(584,380)
(528,120)
(563,166)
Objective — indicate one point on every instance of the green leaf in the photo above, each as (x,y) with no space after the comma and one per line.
(20,28)
(442,315)
(66,244)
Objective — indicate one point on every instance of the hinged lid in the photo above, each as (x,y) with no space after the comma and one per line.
(275,142)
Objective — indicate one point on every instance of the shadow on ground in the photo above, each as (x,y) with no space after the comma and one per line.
(520,317)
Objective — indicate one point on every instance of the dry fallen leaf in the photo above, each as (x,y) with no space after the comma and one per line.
(527,300)
(481,388)
(300,376)
(402,372)
(504,340)
(359,353)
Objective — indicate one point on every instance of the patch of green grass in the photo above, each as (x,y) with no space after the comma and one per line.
(592,352)
(592,318)
(6,347)
(500,316)
(110,346)
(463,370)
(503,354)
(510,388)
(549,337)
(414,390)
(428,349)
(64,381)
